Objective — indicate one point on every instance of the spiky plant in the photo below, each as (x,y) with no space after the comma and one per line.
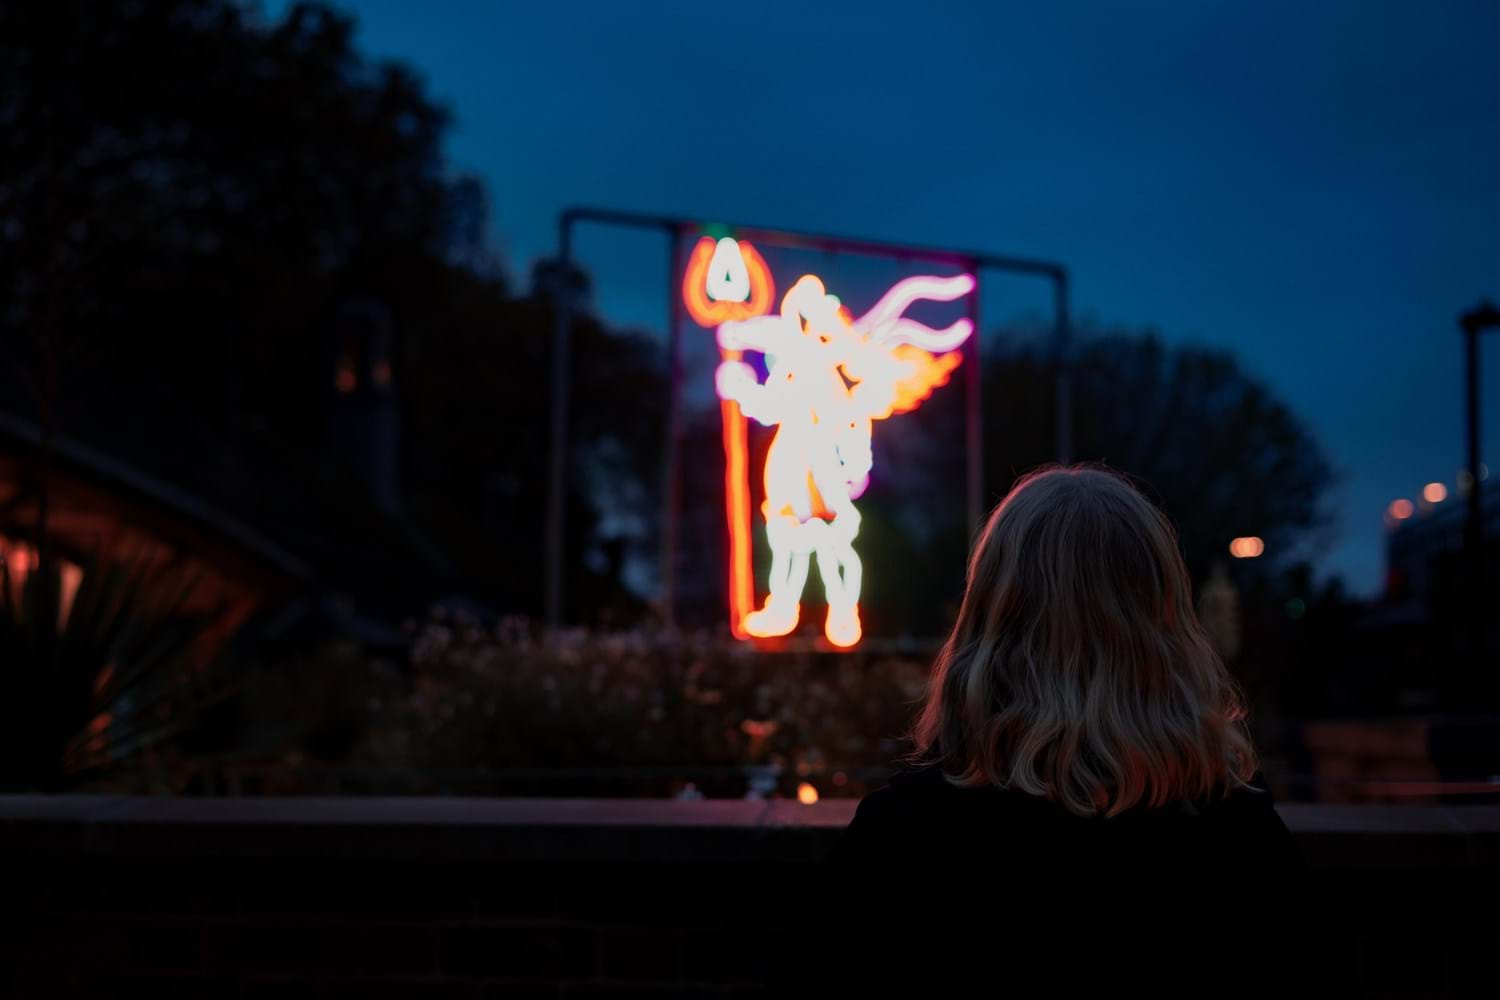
(88,685)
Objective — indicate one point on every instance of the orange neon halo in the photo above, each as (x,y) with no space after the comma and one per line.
(709,312)
(737,509)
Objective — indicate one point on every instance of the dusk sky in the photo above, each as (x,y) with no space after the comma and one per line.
(1314,187)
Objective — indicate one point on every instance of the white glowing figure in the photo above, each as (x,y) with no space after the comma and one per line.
(828,377)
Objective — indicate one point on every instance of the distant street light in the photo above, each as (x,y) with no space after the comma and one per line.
(1247,547)
(1400,510)
(1434,493)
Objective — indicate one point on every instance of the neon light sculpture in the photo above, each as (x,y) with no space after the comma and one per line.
(829,377)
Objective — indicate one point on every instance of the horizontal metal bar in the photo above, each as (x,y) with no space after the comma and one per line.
(815,241)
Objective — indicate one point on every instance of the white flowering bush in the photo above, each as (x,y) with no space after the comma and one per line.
(510,696)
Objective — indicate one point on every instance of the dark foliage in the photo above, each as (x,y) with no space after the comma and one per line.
(1211,444)
(193,201)
(98,664)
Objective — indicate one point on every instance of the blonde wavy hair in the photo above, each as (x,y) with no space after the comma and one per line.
(1077,669)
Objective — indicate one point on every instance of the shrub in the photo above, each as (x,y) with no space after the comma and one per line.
(514,697)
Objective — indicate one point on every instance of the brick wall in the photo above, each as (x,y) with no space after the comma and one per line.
(375,929)
(477,899)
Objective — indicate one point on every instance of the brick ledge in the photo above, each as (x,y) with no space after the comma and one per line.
(573,830)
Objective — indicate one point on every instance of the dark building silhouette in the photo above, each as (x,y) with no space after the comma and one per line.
(364,423)
(1427,574)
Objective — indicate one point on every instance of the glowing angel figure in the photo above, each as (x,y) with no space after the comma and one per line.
(828,378)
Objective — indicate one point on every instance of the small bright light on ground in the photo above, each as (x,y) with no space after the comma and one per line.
(807,794)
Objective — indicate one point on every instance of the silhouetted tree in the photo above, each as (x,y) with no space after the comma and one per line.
(1211,444)
(190,196)
(170,165)
(1219,453)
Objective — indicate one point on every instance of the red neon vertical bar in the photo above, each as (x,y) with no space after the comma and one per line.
(737,510)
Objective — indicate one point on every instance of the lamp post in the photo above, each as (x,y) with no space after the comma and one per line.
(1482,317)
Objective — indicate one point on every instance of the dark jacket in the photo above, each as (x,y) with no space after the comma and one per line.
(920,814)
(935,890)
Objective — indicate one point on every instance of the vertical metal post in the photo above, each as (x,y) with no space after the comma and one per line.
(562,328)
(974,411)
(671,493)
(1063,335)
(1474,322)
(1474,527)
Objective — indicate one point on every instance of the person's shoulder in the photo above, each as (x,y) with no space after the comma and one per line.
(905,789)
(1247,816)
(911,788)
(884,815)
(920,779)
(1251,797)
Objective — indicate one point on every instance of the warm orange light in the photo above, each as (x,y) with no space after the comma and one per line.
(99,724)
(1247,547)
(929,372)
(21,559)
(758,731)
(710,312)
(807,794)
(1434,493)
(1400,509)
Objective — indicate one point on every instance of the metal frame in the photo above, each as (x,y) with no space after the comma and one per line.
(673,227)
(1474,322)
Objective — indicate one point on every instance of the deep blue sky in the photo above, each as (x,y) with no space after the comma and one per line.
(1313,186)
